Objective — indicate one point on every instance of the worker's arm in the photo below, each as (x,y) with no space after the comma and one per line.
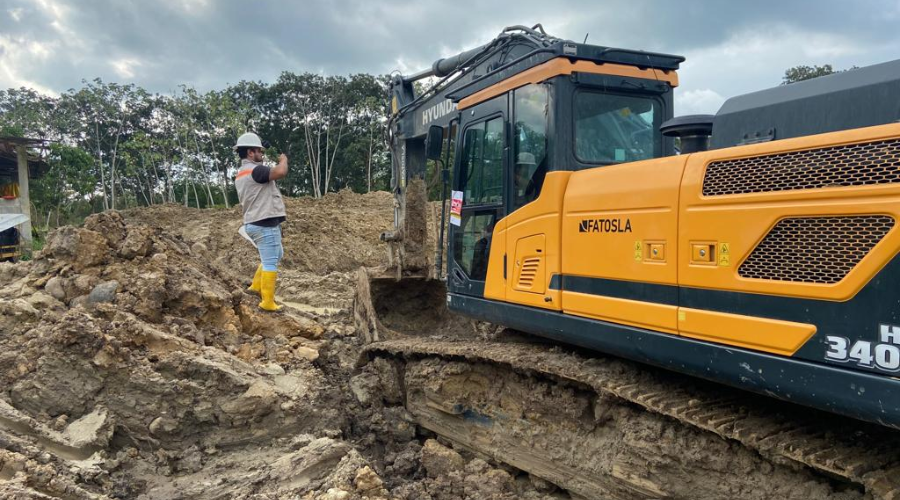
(280,170)
(263,174)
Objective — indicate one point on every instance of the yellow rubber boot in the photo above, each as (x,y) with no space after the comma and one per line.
(257,280)
(267,291)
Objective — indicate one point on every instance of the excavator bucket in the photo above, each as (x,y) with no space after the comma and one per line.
(387,307)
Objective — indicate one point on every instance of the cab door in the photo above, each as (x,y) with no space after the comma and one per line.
(478,182)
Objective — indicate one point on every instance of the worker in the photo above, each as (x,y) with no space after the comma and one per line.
(482,252)
(263,213)
(522,176)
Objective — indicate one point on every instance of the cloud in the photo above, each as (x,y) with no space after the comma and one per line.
(698,101)
(125,68)
(732,47)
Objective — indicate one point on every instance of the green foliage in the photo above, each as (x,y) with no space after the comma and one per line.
(800,73)
(115,146)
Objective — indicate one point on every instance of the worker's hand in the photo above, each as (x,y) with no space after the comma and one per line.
(280,170)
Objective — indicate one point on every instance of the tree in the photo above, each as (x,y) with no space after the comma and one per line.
(800,73)
(116,146)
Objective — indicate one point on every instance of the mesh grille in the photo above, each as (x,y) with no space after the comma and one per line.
(815,249)
(851,165)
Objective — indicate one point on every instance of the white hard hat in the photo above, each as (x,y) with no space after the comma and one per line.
(248,140)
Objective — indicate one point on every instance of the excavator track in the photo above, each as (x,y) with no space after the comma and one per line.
(604,427)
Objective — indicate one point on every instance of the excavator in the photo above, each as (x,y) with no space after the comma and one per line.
(756,248)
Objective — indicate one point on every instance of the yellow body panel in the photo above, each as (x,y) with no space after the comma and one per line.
(538,218)
(648,222)
(659,317)
(642,198)
(743,220)
(564,66)
(761,334)
(495,284)
(529,264)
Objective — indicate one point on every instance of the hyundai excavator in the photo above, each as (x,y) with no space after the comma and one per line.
(755,248)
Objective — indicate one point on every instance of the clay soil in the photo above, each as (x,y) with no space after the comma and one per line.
(133,364)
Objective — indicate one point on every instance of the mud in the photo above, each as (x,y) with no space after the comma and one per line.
(134,365)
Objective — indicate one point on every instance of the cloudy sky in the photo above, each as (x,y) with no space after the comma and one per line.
(732,47)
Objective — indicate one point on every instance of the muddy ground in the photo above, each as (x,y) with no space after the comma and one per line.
(134,365)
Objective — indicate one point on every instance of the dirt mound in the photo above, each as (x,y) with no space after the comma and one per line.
(134,365)
(339,232)
(131,353)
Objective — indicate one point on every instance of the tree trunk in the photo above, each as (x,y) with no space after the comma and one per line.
(369,160)
(100,166)
(115,155)
(216,158)
(196,198)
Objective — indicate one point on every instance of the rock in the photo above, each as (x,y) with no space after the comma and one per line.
(363,387)
(311,463)
(301,440)
(198,249)
(83,247)
(191,460)
(389,381)
(163,425)
(334,494)
(104,292)
(477,466)
(306,353)
(494,482)
(257,322)
(55,288)
(40,301)
(110,224)
(81,301)
(439,460)
(160,259)
(93,429)
(60,422)
(82,285)
(249,352)
(271,369)
(367,480)
(259,399)
(137,243)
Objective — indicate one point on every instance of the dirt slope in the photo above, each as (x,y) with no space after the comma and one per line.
(134,365)
(339,232)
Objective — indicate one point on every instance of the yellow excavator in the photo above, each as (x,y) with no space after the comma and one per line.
(756,247)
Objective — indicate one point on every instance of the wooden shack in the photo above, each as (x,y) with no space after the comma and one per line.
(17,166)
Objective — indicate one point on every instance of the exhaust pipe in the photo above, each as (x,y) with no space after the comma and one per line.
(694,131)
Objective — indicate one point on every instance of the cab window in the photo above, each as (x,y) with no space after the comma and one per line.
(613,128)
(530,156)
(481,167)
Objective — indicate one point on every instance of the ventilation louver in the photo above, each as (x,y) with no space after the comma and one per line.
(848,165)
(815,249)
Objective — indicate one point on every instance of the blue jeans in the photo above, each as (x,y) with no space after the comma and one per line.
(268,242)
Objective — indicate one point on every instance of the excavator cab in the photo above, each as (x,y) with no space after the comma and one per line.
(507,114)
(511,137)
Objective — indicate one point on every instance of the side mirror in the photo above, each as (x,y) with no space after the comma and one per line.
(434,142)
